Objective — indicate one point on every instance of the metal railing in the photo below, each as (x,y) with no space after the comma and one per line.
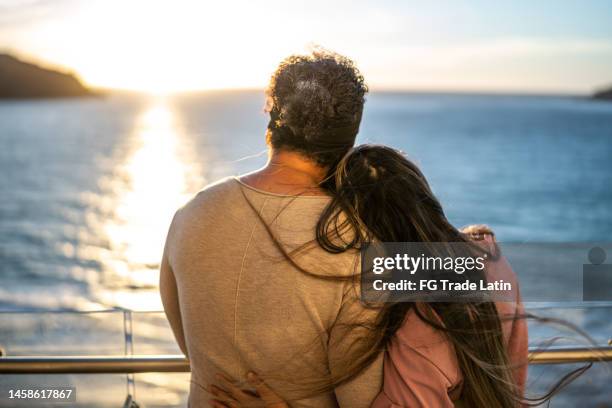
(94,364)
(179,364)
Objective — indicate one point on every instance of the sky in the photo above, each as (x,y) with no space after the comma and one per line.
(164,46)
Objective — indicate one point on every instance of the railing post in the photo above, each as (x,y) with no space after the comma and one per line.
(129,351)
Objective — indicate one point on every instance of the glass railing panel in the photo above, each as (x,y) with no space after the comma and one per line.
(67,333)
(108,332)
(62,333)
(593,384)
(153,335)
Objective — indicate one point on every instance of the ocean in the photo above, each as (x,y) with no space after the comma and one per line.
(89,187)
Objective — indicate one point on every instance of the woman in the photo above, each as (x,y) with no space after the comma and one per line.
(436,354)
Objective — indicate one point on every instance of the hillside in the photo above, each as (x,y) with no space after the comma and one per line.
(605,94)
(20,79)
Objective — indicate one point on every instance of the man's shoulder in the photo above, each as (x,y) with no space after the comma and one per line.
(220,193)
(222,187)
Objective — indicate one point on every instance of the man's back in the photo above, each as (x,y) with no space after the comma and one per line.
(236,303)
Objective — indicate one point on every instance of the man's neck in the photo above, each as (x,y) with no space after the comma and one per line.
(288,173)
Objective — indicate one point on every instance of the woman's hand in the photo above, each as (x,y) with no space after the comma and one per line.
(478,232)
(231,396)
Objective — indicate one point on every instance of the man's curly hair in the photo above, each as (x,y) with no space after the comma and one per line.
(315,103)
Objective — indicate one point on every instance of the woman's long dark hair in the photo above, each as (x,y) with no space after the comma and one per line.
(379,195)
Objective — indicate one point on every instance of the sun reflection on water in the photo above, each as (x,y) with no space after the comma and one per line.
(159,179)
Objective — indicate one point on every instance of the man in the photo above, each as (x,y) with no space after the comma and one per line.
(244,282)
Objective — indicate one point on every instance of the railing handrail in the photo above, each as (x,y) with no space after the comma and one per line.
(570,355)
(565,304)
(93,364)
(179,364)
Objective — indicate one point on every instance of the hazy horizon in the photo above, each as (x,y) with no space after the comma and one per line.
(520,47)
(413,90)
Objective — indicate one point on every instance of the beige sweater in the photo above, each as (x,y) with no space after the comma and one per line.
(236,304)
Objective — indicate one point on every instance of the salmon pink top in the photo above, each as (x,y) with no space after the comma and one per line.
(420,365)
